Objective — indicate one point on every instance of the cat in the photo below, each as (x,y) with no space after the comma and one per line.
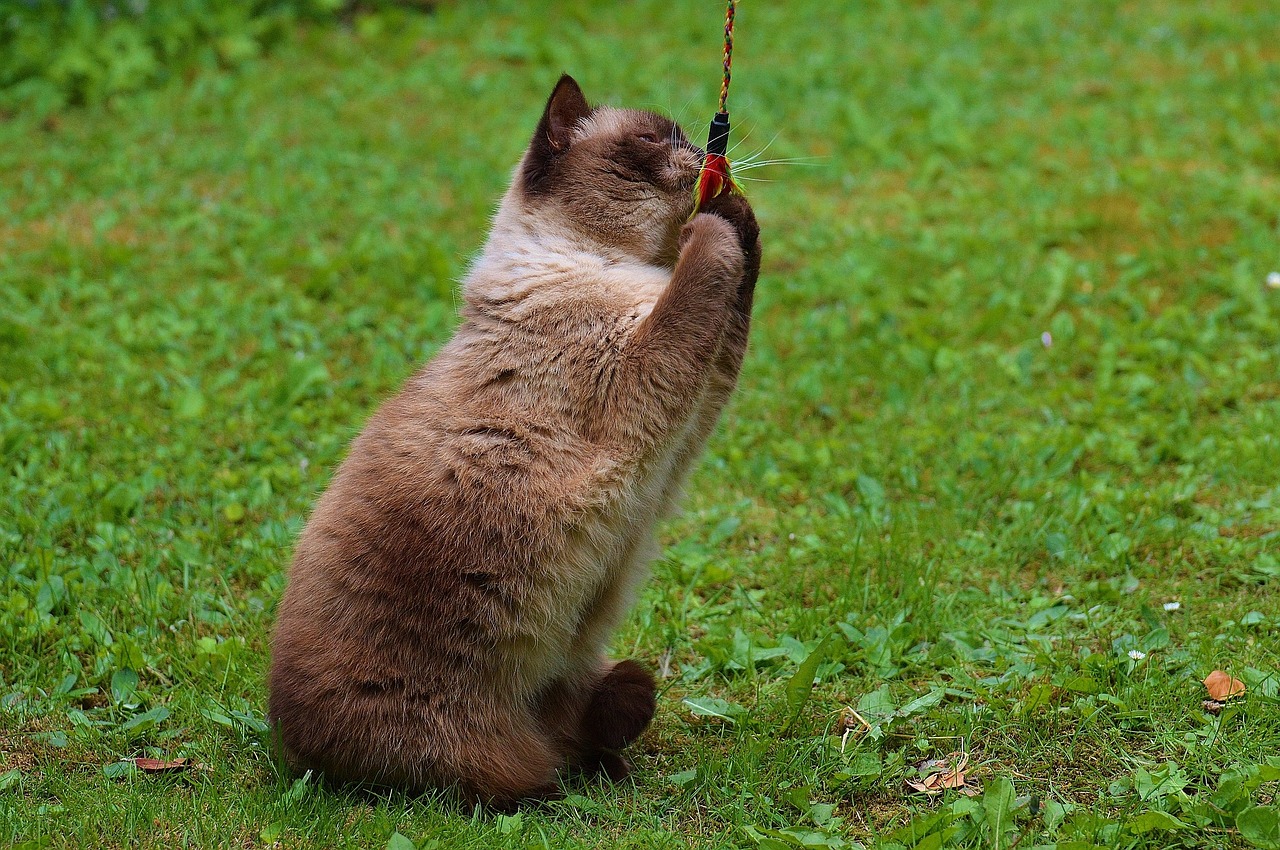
(454,588)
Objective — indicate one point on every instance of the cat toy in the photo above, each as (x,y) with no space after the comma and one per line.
(714,178)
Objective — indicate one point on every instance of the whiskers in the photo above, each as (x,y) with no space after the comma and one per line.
(739,167)
(756,159)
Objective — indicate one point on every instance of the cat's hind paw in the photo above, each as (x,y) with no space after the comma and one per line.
(621,707)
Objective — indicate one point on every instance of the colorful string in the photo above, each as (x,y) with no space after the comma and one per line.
(728,55)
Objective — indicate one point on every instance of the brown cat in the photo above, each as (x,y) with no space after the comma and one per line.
(453,590)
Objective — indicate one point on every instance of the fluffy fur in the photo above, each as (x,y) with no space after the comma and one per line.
(454,588)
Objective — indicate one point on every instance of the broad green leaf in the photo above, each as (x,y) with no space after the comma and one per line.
(997,802)
(400,842)
(877,704)
(918,828)
(865,764)
(800,685)
(920,704)
(769,839)
(684,778)
(724,530)
(96,628)
(123,685)
(251,721)
(1156,639)
(1260,826)
(66,685)
(217,717)
(56,738)
(1153,820)
(146,721)
(1055,813)
(300,788)
(508,824)
(936,840)
(1081,685)
(767,843)
(119,769)
(713,707)
(1038,697)
(822,813)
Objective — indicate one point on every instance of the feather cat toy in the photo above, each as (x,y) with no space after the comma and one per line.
(715,177)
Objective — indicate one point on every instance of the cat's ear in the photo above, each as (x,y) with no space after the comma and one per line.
(565,108)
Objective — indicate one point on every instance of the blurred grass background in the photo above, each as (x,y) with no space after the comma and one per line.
(1010,413)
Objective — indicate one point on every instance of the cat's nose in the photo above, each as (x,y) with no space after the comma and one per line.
(698,153)
(685,145)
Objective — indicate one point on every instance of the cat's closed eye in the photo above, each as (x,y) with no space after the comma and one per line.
(651,138)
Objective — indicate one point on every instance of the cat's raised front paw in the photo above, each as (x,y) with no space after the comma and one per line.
(713,238)
(736,210)
(704,227)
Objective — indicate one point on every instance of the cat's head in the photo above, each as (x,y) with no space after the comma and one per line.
(621,177)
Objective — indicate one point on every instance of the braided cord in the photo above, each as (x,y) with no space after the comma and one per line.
(728,55)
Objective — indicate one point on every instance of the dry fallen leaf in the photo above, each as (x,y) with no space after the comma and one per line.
(943,774)
(1222,687)
(851,721)
(158,766)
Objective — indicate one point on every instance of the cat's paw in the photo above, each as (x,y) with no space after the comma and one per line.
(621,707)
(713,239)
(613,767)
(736,210)
(704,227)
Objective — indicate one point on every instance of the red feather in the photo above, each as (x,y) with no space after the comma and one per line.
(712,180)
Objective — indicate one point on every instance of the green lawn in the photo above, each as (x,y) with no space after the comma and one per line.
(1028,547)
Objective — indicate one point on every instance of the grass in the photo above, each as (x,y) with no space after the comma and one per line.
(969,531)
